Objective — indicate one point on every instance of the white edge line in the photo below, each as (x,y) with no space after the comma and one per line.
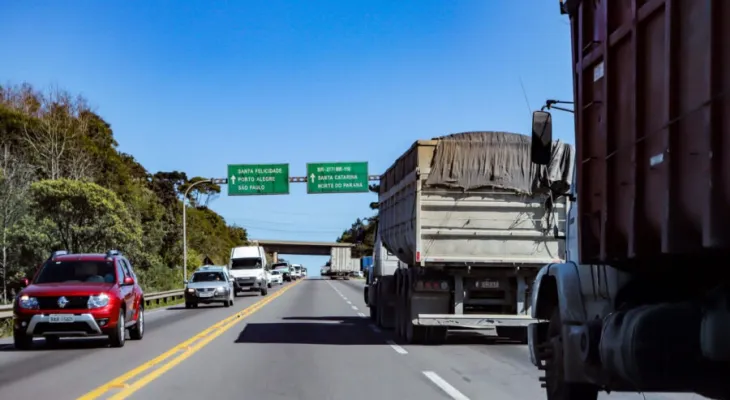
(397,348)
(354,308)
(445,386)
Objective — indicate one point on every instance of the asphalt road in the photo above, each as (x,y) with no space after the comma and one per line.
(308,340)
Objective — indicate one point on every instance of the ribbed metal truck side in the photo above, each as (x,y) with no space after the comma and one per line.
(642,303)
(461,212)
(340,263)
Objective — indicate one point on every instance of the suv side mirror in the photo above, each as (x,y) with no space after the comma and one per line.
(128,281)
(542,137)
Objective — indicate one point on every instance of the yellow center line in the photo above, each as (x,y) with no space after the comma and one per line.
(188,348)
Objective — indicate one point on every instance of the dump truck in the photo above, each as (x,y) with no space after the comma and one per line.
(473,222)
(642,303)
(340,263)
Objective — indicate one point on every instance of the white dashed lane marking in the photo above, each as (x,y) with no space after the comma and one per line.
(445,386)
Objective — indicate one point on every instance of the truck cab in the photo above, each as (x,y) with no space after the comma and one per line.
(600,327)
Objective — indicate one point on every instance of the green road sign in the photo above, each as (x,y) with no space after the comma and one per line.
(343,177)
(258,179)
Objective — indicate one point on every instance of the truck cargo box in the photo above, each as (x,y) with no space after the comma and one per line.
(652,120)
(355,264)
(341,259)
(474,199)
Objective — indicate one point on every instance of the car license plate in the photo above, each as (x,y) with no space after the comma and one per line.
(205,294)
(488,284)
(60,319)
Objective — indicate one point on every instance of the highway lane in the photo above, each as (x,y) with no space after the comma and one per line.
(79,365)
(307,344)
(309,341)
(482,366)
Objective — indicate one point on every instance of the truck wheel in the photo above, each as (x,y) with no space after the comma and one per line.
(373,313)
(555,385)
(22,341)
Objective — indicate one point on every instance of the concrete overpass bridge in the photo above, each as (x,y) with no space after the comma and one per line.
(296,247)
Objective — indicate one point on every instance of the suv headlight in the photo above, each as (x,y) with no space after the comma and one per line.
(98,301)
(191,290)
(27,302)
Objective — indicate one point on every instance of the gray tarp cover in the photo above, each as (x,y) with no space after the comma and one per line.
(473,160)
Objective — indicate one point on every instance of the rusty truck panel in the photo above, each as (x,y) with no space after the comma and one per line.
(652,119)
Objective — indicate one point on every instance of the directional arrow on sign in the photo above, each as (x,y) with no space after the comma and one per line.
(311,177)
(233,179)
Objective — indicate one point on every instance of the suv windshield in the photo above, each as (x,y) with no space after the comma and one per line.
(76,271)
(208,277)
(246,263)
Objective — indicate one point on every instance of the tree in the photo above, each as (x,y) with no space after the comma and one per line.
(15,179)
(87,217)
(54,134)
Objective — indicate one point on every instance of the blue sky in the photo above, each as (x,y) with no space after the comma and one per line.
(196,85)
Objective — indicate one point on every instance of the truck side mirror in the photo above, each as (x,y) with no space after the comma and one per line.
(26,281)
(542,137)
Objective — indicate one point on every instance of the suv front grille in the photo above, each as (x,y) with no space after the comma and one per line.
(74,303)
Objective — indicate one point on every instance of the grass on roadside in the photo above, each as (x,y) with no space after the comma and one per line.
(6,324)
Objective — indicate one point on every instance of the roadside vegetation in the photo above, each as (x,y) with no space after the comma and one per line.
(65,185)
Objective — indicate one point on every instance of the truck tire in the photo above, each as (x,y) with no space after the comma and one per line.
(555,385)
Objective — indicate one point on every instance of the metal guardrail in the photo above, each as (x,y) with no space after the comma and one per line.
(150,298)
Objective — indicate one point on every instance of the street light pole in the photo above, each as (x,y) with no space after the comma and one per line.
(185,220)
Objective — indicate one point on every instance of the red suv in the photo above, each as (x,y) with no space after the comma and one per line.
(80,295)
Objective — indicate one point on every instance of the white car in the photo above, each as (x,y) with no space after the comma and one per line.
(277,277)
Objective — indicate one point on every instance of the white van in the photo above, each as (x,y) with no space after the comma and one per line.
(247,267)
(296,271)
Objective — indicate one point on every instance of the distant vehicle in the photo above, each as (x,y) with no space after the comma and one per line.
(277,277)
(80,295)
(304,272)
(296,271)
(285,268)
(209,284)
(247,266)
